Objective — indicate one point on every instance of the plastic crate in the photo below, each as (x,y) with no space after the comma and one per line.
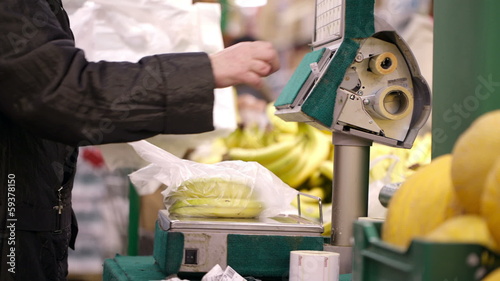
(374,259)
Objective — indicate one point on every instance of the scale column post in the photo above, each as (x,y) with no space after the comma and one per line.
(350,192)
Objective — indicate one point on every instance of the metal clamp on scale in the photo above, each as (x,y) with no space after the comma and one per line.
(362,82)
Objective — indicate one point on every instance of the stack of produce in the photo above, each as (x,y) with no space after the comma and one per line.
(214,197)
(455,198)
(297,153)
(293,160)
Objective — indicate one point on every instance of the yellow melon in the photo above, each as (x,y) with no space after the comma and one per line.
(423,202)
(470,229)
(493,276)
(490,204)
(474,152)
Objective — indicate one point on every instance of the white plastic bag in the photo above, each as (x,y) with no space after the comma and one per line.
(171,171)
(129,30)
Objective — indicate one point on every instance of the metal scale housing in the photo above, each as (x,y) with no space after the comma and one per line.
(362,82)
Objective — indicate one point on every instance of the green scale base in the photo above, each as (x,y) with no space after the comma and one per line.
(268,262)
(144,268)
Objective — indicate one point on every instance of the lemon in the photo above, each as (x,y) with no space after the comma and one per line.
(423,202)
(474,153)
(470,229)
(490,203)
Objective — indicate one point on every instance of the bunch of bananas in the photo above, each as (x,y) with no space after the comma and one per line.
(293,160)
(394,165)
(297,153)
(249,136)
(214,197)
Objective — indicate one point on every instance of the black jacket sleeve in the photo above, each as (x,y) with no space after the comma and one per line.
(48,87)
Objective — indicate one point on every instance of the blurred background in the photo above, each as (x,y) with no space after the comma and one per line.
(113,219)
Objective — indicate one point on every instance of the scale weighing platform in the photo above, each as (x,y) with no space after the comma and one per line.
(259,248)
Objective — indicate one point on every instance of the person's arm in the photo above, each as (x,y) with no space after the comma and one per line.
(48,87)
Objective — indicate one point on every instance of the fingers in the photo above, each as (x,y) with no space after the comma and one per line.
(246,63)
(275,64)
(265,51)
(253,79)
(261,68)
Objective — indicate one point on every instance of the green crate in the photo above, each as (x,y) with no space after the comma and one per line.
(375,260)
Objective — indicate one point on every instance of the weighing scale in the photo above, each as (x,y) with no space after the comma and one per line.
(359,81)
(362,82)
(259,247)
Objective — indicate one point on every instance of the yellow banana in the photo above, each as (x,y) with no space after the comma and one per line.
(217,207)
(212,188)
(233,140)
(331,154)
(264,155)
(316,151)
(286,162)
(217,212)
(316,179)
(251,137)
(288,175)
(326,169)
(281,137)
(400,171)
(420,153)
(216,202)
(379,167)
(327,229)
(210,159)
(278,123)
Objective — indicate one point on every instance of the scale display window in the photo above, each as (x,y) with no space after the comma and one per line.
(329,23)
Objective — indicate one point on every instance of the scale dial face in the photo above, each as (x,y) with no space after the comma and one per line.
(329,23)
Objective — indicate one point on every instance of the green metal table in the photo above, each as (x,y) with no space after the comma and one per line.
(143,268)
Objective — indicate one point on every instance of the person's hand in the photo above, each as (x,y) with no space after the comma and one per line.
(244,63)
